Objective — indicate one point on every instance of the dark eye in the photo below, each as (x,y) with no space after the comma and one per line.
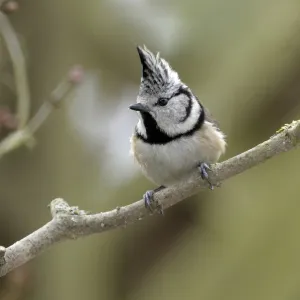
(162,101)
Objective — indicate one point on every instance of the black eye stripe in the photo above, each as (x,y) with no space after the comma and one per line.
(165,100)
(177,94)
(188,110)
(182,91)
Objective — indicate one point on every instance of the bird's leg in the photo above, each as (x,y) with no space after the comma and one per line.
(149,201)
(203,167)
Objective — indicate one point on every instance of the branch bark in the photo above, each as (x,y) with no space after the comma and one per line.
(71,222)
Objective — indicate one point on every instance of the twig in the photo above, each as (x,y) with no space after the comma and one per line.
(61,92)
(25,129)
(2,254)
(19,66)
(25,135)
(71,223)
(3,3)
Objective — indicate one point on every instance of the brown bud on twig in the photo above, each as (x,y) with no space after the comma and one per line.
(10,6)
(7,119)
(76,74)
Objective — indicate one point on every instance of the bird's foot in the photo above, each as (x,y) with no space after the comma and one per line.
(150,204)
(204,167)
(149,201)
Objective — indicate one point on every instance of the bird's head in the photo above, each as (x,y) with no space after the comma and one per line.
(164,100)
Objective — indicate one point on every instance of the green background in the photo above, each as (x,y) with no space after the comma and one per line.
(242,59)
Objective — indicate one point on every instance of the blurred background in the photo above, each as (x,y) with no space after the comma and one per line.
(242,59)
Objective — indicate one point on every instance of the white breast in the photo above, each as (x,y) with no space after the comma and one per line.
(166,164)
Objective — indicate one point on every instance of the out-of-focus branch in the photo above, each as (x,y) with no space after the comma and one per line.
(71,223)
(60,92)
(19,66)
(25,129)
(4,2)
(25,135)
(2,254)
(9,6)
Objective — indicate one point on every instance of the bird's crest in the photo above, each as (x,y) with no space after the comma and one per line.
(157,74)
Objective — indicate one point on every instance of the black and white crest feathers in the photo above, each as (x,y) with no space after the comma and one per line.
(157,74)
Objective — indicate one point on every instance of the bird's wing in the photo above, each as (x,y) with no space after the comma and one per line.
(210,118)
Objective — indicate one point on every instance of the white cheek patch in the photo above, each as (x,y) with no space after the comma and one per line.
(140,127)
(187,125)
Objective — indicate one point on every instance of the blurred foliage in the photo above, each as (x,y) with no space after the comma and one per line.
(242,59)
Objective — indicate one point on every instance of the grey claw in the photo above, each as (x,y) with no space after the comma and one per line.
(203,167)
(148,199)
(149,202)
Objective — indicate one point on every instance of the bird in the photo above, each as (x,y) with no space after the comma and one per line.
(175,133)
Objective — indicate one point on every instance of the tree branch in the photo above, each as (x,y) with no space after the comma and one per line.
(25,135)
(19,66)
(71,222)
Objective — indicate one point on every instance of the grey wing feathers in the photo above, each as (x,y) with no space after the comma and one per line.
(209,118)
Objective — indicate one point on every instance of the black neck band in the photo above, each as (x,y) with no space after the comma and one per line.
(157,137)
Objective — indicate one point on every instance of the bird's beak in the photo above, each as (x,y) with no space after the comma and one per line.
(139,107)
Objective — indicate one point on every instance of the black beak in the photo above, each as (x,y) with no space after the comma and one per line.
(139,107)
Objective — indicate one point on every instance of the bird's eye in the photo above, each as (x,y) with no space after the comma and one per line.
(162,101)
